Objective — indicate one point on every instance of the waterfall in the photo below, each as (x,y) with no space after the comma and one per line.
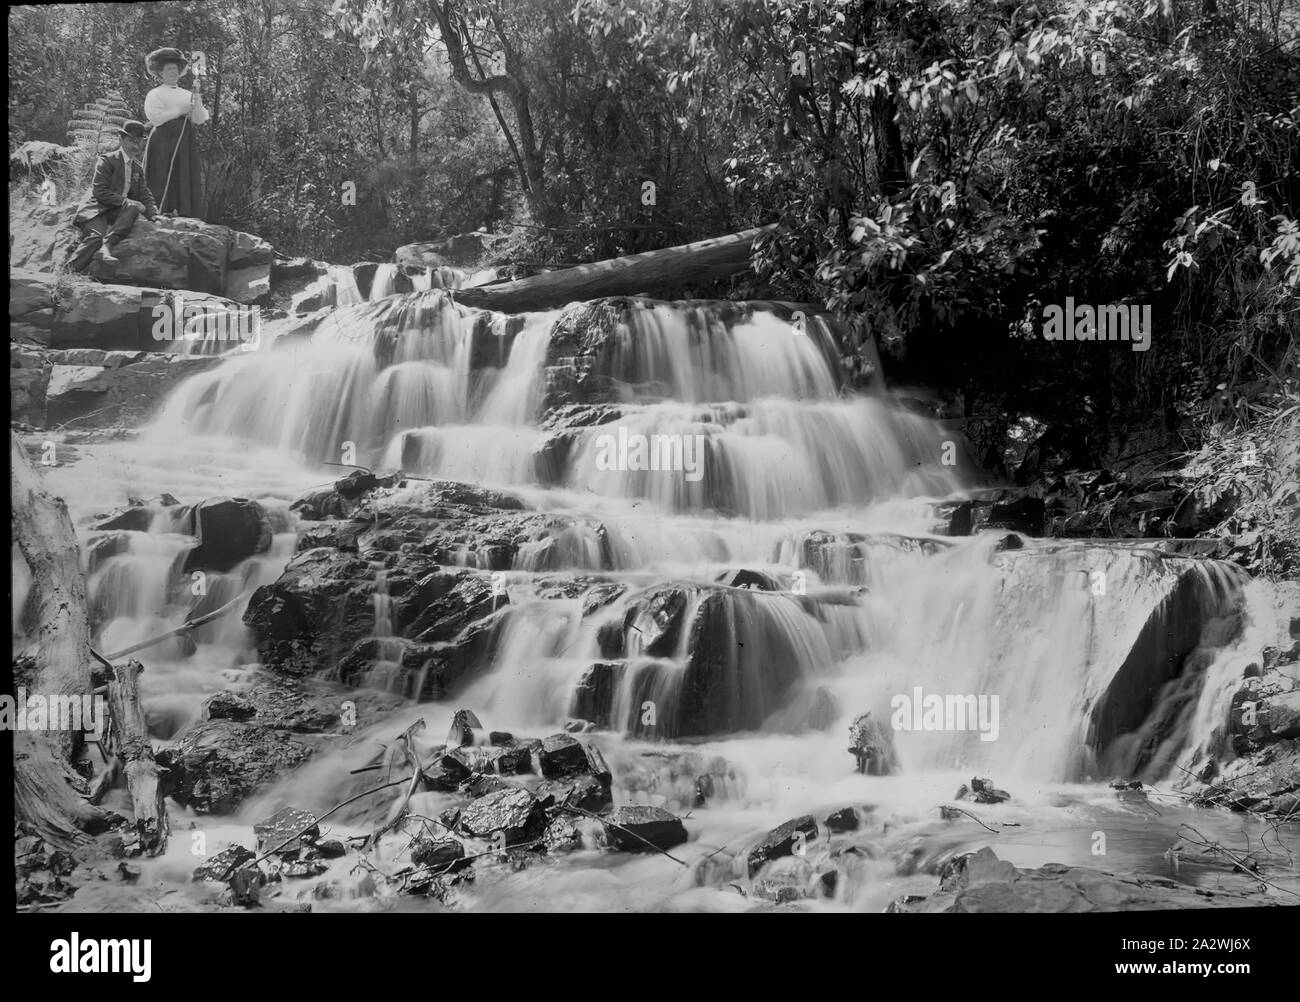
(771,536)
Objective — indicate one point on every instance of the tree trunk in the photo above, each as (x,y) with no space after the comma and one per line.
(135,753)
(888,141)
(653,272)
(48,794)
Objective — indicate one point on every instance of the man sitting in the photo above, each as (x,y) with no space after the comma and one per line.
(117,196)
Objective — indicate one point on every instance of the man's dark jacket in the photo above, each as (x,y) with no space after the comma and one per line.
(106,189)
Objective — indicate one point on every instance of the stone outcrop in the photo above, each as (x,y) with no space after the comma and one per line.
(92,387)
(980,882)
(169,253)
(76,313)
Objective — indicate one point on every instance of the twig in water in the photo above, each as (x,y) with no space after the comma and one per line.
(1245,866)
(189,624)
(297,835)
(596,817)
(974,818)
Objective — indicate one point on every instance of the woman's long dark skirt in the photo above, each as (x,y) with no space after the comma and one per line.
(183,193)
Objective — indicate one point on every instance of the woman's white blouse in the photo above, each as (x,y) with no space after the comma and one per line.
(164,103)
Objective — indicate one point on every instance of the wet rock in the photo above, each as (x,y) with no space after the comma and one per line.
(562,755)
(980,882)
(784,840)
(754,580)
(481,785)
(731,638)
(871,744)
(611,641)
(597,765)
(905,903)
(333,533)
(286,832)
(446,772)
(587,793)
(983,792)
(229,530)
(637,825)
(572,726)
(136,516)
(449,818)
(303,868)
(437,854)
(515,758)
(245,885)
(561,835)
(500,737)
(846,819)
(782,889)
(309,706)
(514,812)
(224,863)
(1025,515)
(216,764)
(229,706)
(1177,597)
(330,848)
(593,698)
(659,621)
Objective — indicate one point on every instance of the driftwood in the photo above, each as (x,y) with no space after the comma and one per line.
(130,739)
(406,743)
(185,627)
(48,795)
(656,272)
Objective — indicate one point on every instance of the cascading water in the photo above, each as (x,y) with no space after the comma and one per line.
(741,611)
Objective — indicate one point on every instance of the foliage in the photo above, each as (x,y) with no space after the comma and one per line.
(941,170)
(1254,466)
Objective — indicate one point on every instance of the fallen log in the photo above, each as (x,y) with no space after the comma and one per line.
(651,273)
(49,796)
(130,742)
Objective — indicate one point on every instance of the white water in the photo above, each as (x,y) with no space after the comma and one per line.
(798,480)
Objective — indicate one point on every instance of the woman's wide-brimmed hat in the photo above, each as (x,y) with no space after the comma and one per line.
(155,60)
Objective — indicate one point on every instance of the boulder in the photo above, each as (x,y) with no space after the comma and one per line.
(562,755)
(172,253)
(980,882)
(216,764)
(446,773)
(783,840)
(587,793)
(513,758)
(437,853)
(124,390)
(515,812)
(286,831)
(561,835)
(229,531)
(223,864)
(630,828)
(846,819)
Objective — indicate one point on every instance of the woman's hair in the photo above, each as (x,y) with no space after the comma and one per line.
(171,62)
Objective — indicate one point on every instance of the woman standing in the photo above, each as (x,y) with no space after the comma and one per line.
(172,155)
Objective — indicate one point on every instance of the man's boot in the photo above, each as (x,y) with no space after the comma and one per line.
(106,254)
